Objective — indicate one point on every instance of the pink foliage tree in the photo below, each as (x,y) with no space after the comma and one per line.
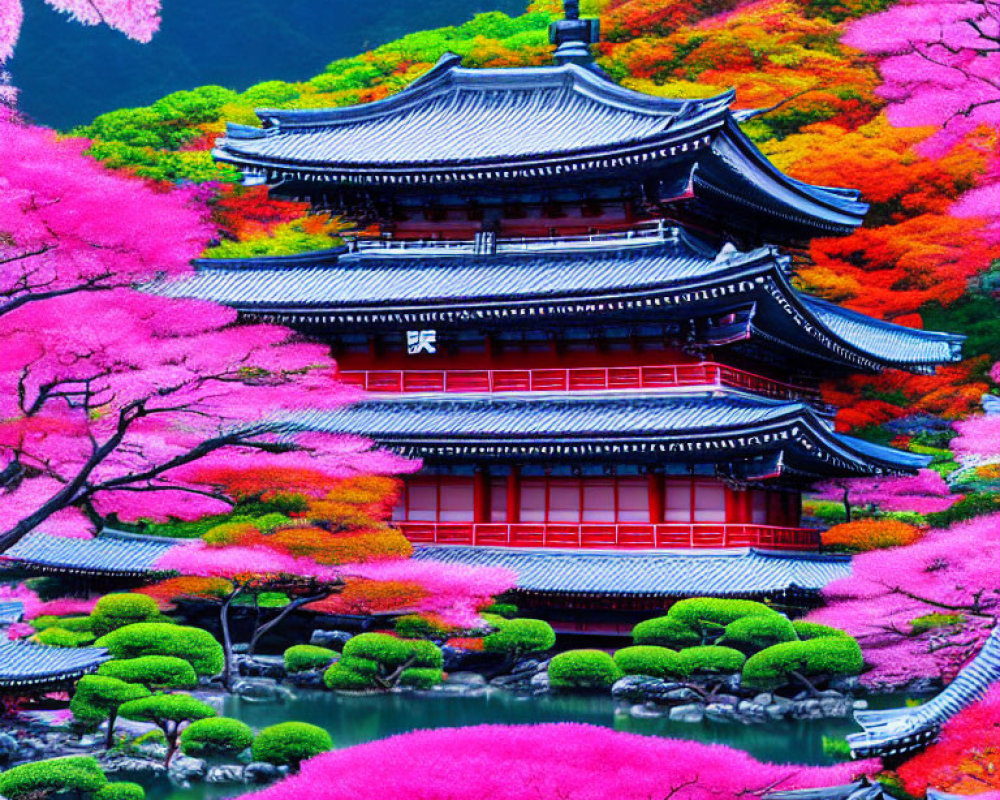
(566,760)
(137,19)
(111,397)
(940,60)
(925,493)
(950,573)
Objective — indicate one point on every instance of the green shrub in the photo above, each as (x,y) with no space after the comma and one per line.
(657,662)
(519,637)
(665,632)
(708,616)
(752,634)
(306,657)
(98,698)
(505,610)
(421,677)
(196,646)
(340,677)
(121,791)
(291,743)
(74,624)
(216,736)
(59,637)
(80,774)
(972,505)
(379,661)
(583,669)
(813,659)
(153,672)
(115,611)
(711,658)
(813,630)
(168,712)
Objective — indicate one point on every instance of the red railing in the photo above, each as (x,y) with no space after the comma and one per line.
(704,374)
(624,536)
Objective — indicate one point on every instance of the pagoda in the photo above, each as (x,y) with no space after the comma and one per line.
(578,309)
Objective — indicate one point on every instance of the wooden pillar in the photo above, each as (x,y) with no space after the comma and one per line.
(732,506)
(514,495)
(481,495)
(656,497)
(794,505)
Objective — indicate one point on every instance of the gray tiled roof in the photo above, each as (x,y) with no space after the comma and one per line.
(113,554)
(665,573)
(461,116)
(23,663)
(338,284)
(430,424)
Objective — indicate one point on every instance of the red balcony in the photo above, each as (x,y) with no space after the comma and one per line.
(707,375)
(612,536)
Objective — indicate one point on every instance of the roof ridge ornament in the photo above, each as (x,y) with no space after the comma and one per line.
(573,36)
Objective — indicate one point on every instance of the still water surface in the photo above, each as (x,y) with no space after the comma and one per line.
(355,720)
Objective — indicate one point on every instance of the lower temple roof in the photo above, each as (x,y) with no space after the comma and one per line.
(716,573)
(112,553)
(27,664)
(684,426)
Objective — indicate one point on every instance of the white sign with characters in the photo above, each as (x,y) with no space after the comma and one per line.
(418,342)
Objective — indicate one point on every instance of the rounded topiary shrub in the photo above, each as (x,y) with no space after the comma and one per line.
(421,677)
(115,611)
(307,657)
(520,637)
(583,669)
(505,610)
(75,624)
(60,637)
(290,743)
(122,790)
(656,662)
(342,678)
(216,736)
(80,774)
(715,612)
(415,626)
(803,662)
(712,659)
(665,632)
(153,672)
(813,630)
(196,646)
(871,534)
(754,633)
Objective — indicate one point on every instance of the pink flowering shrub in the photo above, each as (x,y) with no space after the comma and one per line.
(568,761)
(925,493)
(948,572)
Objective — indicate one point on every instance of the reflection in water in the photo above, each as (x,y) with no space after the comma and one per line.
(355,720)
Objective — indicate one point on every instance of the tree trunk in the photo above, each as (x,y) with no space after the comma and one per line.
(109,740)
(847,505)
(171,731)
(261,630)
(805,681)
(227,643)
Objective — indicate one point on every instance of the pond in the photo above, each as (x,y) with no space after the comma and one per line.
(354,720)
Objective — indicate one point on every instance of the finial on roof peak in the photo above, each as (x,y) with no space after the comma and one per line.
(573,36)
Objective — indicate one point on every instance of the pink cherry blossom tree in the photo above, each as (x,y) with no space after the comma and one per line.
(137,19)
(940,62)
(920,611)
(110,397)
(925,493)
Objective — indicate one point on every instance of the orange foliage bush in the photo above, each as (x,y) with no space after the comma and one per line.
(871,534)
(172,589)
(361,596)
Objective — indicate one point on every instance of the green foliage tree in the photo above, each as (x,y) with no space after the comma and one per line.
(196,646)
(583,669)
(657,662)
(517,638)
(290,743)
(665,632)
(711,659)
(115,611)
(306,657)
(806,662)
(123,790)
(380,661)
(43,779)
(60,637)
(153,672)
(752,634)
(216,736)
(169,712)
(98,698)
